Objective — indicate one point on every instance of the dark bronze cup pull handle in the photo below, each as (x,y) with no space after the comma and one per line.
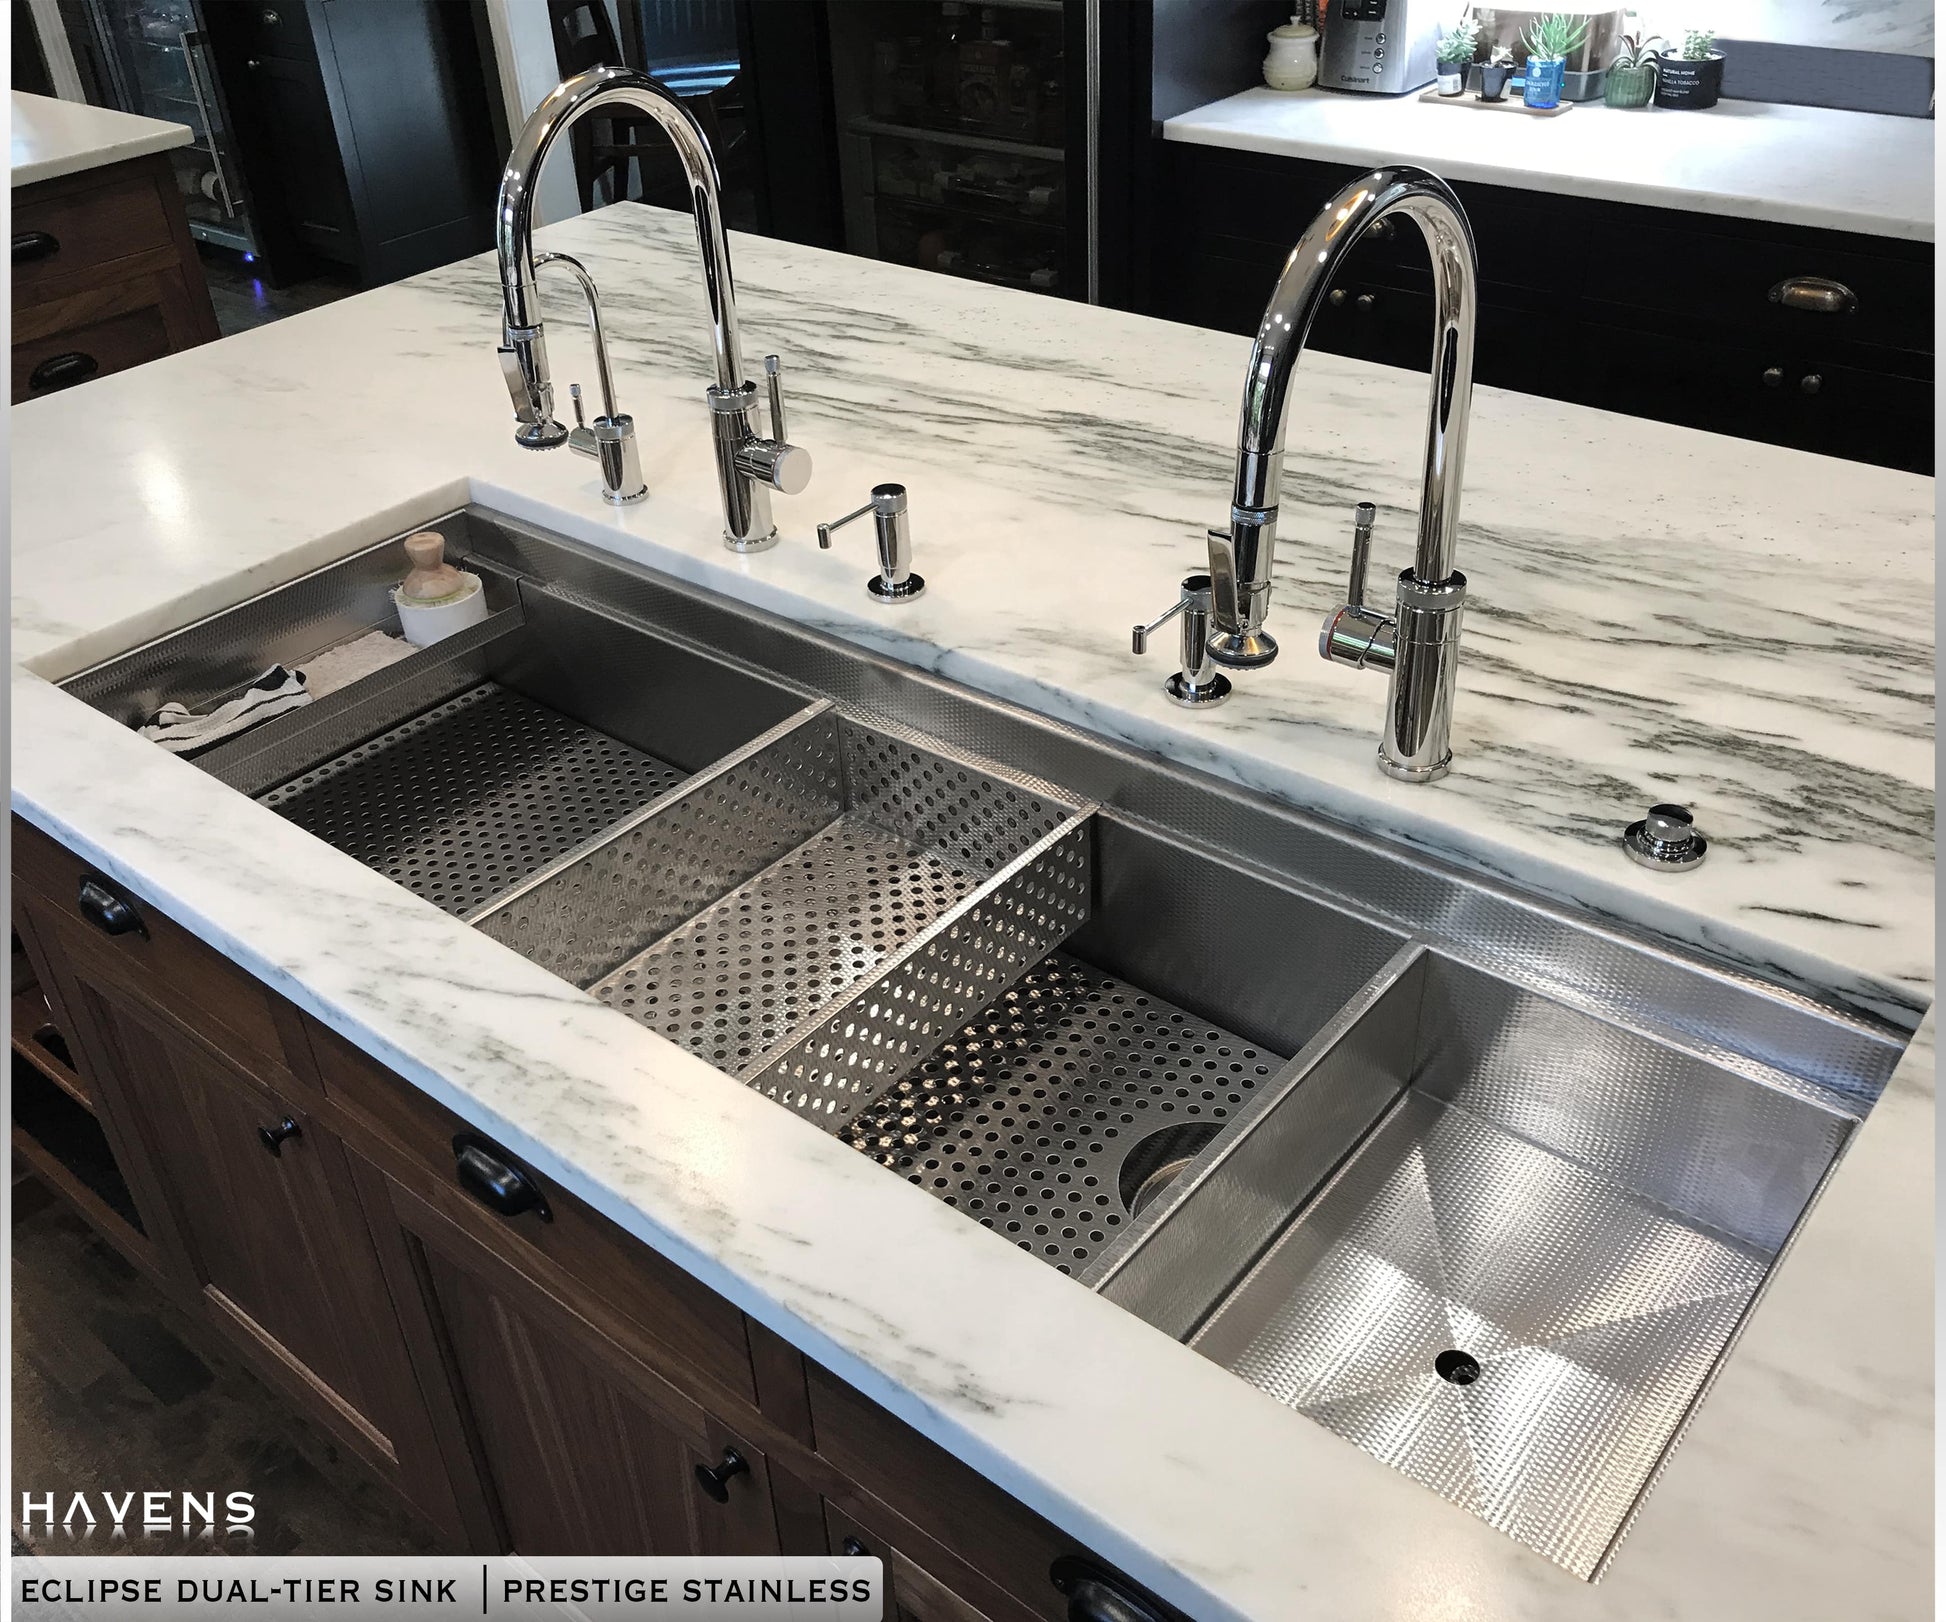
(63,371)
(32,245)
(108,909)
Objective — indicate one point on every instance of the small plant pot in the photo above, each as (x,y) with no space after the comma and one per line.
(1543,81)
(1630,87)
(1452,78)
(1689,85)
(1584,86)
(1493,81)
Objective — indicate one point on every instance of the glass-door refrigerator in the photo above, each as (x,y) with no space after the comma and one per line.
(955,149)
(155,58)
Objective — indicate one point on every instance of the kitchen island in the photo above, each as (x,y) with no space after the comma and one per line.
(1667,653)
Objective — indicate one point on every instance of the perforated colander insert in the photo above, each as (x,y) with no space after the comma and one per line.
(464,802)
(1027,1117)
(736,979)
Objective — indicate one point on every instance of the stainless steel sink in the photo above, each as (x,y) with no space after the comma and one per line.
(1482,1185)
(1496,1242)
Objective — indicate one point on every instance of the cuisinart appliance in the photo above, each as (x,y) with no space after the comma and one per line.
(1383,46)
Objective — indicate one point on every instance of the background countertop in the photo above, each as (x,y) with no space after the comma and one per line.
(49,137)
(1656,614)
(1865,172)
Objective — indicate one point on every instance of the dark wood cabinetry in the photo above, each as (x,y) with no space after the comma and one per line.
(547,1385)
(105,275)
(576,1447)
(1819,340)
(365,130)
(241,1200)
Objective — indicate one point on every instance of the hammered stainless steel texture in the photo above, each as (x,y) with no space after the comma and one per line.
(217,657)
(1234,946)
(1731,1013)
(1174,1262)
(265,756)
(836,1066)
(1044,1117)
(1595,1317)
(1737,1155)
(596,907)
(463,802)
(1584,1213)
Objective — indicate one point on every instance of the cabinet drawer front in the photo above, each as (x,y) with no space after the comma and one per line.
(1727,282)
(66,234)
(160,959)
(95,346)
(680,1324)
(912,1593)
(959,1509)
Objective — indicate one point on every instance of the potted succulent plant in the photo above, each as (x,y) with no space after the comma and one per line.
(1693,77)
(1455,54)
(1495,72)
(1549,42)
(1631,76)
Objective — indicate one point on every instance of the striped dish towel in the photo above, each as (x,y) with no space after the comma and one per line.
(182,732)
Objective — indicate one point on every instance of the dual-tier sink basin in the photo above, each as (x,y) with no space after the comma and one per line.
(1482,1188)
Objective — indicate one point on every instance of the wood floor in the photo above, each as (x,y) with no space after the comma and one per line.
(111,1394)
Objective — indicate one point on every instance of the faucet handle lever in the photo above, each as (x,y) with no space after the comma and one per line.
(774,379)
(1363,516)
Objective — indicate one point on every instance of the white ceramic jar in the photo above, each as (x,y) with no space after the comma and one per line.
(1292,62)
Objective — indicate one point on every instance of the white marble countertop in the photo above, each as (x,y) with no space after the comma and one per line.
(1755,638)
(1866,172)
(51,137)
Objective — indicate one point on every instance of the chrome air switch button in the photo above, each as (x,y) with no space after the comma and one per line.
(1666,839)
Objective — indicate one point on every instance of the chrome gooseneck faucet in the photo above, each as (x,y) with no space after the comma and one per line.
(749,465)
(1419,641)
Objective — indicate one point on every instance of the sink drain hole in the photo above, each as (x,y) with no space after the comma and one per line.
(1159,1159)
(1456,1367)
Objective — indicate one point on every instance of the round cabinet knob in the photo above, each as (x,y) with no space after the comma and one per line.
(715,1479)
(1773,377)
(1811,383)
(855,1549)
(1364,302)
(1337,296)
(272,1137)
(1666,839)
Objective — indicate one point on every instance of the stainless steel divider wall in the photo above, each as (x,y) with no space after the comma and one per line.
(816,912)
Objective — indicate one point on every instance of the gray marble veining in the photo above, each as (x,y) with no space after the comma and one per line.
(1658,614)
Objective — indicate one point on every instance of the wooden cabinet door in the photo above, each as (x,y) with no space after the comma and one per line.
(266,1226)
(579,1448)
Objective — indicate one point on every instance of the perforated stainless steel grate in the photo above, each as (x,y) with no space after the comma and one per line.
(1046,1116)
(462,803)
(833,871)
(735,980)
(1590,1317)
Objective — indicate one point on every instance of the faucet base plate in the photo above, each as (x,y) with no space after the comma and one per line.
(1197,695)
(540,436)
(1414,774)
(1242,650)
(881,590)
(756,543)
